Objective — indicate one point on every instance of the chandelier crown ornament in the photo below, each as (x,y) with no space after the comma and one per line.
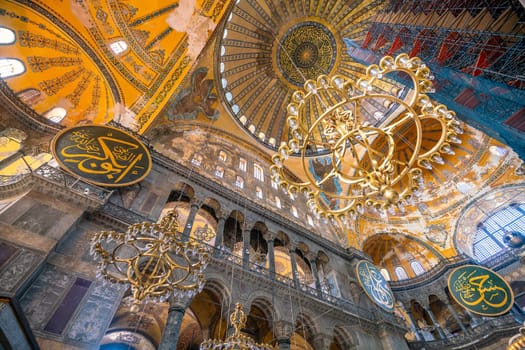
(154,259)
(361,142)
(237,340)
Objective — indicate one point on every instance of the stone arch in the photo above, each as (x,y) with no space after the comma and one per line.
(344,338)
(212,206)
(439,309)
(181,192)
(233,231)
(258,244)
(304,268)
(261,316)
(323,262)
(281,239)
(306,326)
(218,286)
(145,327)
(210,306)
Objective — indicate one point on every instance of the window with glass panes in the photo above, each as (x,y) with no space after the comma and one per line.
(488,239)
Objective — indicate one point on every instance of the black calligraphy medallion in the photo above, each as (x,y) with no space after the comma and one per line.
(375,285)
(480,290)
(101,155)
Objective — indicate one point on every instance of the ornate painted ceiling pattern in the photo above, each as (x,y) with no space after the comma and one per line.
(157,59)
(268,49)
(61,70)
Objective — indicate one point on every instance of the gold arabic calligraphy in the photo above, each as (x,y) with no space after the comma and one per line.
(480,290)
(103,155)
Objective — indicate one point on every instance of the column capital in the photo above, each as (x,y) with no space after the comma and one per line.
(222,215)
(196,202)
(269,236)
(181,303)
(312,257)
(282,330)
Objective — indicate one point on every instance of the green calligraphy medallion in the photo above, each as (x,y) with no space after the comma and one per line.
(480,290)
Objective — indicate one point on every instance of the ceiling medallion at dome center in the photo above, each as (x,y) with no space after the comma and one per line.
(306,50)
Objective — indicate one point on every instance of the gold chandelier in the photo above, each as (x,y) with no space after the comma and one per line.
(154,259)
(236,341)
(517,342)
(353,160)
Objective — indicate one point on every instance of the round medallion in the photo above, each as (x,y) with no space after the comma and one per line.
(480,290)
(306,51)
(101,155)
(375,285)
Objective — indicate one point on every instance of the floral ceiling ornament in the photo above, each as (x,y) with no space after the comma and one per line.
(354,160)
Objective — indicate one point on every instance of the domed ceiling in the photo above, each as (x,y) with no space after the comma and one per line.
(268,49)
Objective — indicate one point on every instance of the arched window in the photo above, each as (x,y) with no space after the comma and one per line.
(10,67)
(275,185)
(310,220)
(243,164)
(196,160)
(417,268)
(488,239)
(223,156)
(278,202)
(293,209)
(239,182)
(385,274)
(258,192)
(219,171)
(118,47)
(29,96)
(258,172)
(401,274)
(56,114)
(7,36)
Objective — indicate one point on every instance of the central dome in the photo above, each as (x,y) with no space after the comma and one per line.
(267,50)
(307,50)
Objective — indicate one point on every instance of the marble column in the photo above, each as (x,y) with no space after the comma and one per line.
(435,323)
(456,317)
(294,267)
(271,256)
(413,324)
(313,264)
(219,237)
(170,335)
(246,249)
(283,333)
(190,220)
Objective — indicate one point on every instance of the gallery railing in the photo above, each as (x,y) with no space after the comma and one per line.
(489,331)
(11,186)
